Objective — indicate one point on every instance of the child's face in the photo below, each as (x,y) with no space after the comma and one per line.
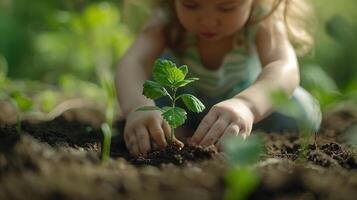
(213,20)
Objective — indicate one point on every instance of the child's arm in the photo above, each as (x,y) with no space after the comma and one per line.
(133,69)
(280,73)
(280,69)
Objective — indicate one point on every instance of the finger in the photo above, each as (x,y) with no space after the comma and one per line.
(127,133)
(127,137)
(158,135)
(231,131)
(215,132)
(143,139)
(132,145)
(245,131)
(167,131)
(203,128)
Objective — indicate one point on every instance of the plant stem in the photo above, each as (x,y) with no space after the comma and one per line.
(18,123)
(106,142)
(173,105)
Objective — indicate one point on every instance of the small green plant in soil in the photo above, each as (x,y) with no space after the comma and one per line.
(17,98)
(285,105)
(167,79)
(107,126)
(241,178)
(23,104)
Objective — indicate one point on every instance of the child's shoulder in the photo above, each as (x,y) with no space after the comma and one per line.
(155,23)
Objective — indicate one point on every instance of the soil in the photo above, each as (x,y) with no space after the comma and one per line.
(60,159)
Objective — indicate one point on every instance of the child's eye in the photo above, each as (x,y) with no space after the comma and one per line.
(228,9)
(190,5)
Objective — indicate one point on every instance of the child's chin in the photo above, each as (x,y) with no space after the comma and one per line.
(209,39)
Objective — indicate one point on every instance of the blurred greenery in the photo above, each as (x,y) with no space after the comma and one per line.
(44,39)
(241,178)
(70,43)
(330,72)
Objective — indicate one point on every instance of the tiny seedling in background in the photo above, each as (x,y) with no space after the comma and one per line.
(107,126)
(287,106)
(23,104)
(167,79)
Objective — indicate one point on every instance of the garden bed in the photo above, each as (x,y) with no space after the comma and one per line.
(60,159)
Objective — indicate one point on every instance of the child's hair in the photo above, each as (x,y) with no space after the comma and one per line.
(297,16)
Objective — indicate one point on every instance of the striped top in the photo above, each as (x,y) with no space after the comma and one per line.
(239,69)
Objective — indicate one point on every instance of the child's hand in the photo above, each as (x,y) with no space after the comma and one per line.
(141,127)
(227,118)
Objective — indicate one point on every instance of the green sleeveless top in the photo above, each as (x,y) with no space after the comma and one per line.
(239,69)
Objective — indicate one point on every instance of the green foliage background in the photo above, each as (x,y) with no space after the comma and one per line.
(70,41)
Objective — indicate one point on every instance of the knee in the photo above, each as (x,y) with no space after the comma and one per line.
(310,109)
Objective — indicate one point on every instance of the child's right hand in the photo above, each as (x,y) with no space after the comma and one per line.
(141,127)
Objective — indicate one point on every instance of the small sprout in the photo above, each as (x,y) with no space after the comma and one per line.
(285,105)
(107,84)
(243,152)
(168,78)
(23,104)
(107,132)
(241,179)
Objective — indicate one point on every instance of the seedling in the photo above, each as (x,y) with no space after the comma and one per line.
(283,104)
(23,105)
(167,79)
(241,178)
(107,126)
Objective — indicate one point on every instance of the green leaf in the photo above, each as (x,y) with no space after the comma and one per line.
(3,69)
(148,108)
(242,152)
(109,88)
(166,108)
(286,106)
(314,77)
(175,116)
(185,82)
(24,103)
(154,90)
(192,103)
(339,28)
(166,73)
(241,182)
(184,69)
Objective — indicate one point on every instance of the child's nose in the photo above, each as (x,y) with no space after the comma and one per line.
(209,21)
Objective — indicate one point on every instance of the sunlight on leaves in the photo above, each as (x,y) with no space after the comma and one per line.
(175,116)
(192,103)
(166,73)
(154,90)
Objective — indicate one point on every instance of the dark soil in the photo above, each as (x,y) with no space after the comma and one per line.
(175,155)
(60,159)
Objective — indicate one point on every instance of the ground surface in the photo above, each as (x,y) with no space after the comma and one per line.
(60,159)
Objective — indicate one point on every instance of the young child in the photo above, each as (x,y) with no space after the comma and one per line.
(242,52)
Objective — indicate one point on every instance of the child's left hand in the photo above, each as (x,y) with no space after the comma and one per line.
(227,118)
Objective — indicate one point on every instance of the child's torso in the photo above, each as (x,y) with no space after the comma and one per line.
(221,75)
